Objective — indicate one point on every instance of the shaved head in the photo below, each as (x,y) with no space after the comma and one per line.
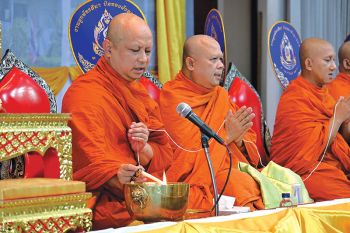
(344,51)
(123,24)
(317,59)
(195,45)
(128,45)
(203,61)
(310,48)
(344,57)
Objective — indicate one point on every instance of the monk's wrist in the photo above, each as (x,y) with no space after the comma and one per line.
(240,145)
(115,185)
(338,121)
(146,155)
(229,140)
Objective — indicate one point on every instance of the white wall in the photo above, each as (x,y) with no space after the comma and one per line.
(237,25)
(270,89)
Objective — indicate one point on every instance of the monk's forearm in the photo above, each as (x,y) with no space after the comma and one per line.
(146,155)
(115,186)
(239,143)
(162,158)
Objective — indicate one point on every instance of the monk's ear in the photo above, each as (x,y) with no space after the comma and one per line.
(346,63)
(107,47)
(189,63)
(308,64)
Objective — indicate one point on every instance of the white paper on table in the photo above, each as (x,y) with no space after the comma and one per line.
(226,206)
(226,202)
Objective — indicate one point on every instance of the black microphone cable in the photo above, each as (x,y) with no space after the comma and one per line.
(227,178)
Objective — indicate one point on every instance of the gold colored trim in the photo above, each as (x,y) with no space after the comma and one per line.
(143,15)
(46,214)
(58,221)
(61,117)
(22,133)
(61,199)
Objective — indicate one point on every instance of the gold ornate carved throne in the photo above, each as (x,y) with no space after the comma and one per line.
(37,193)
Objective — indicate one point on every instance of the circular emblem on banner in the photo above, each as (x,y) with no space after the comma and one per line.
(347,38)
(284,43)
(88,28)
(214,27)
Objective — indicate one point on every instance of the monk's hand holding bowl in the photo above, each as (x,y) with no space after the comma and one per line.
(236,125)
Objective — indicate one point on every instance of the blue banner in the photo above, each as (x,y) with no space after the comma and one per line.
(284,44)
(214,27)
(88,28)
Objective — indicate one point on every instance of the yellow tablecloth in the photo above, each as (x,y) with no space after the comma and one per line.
(330,216)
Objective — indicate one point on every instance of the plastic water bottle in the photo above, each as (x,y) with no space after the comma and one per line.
(297,197)
(286,201)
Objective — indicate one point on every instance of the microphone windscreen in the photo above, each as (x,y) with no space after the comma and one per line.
(183,109)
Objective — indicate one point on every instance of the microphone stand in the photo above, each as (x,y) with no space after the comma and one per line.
(205,146)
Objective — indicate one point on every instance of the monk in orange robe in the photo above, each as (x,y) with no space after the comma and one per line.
(341,85)
(111,114)
(310,135)
(197,84)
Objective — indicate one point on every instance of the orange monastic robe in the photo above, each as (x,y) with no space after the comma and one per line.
(340,86)
(211,105)
(300,136)
(103,106)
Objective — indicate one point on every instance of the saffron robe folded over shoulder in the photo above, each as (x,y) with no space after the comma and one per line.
(212,106)
(300,137)
(340,86)
(103,106)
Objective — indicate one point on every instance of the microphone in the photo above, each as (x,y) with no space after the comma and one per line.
(185,110)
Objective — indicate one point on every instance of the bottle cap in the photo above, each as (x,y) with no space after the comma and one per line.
(285,195)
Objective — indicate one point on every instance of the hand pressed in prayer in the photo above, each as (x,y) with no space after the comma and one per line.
(342,117)
(236,125)
(343,110)
(138,136)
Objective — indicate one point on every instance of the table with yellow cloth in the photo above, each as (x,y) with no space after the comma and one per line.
(328,216)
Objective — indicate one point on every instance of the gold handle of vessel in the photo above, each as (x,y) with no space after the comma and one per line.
(139,196)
